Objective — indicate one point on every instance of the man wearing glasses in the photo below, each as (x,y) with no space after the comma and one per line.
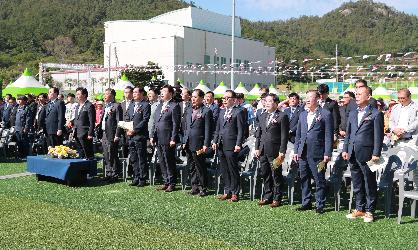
(228,139)
(403,121)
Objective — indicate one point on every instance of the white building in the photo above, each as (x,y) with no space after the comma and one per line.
(193,37)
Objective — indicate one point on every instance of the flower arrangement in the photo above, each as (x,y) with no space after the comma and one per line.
(62,152)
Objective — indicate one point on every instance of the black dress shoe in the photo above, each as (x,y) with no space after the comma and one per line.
(304,208)
(134,183)
(141,184)
(169,189)
(193,192)
(319,210)
(203,193)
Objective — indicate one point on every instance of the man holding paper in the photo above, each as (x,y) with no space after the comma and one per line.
(363,142)
(270,147)
(313,149)
(196,141)
(139,114)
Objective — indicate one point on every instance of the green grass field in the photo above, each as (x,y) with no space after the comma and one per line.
(51,215)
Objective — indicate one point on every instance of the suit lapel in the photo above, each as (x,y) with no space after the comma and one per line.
(317,114)
(367,114)
(271,121)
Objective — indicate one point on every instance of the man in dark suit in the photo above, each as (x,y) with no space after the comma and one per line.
(228,139)
(8,107)
(260,110)
(331,105)
(23,125)
(313,145)
(139,114)
(344,111)
(126,104)
(84,123)
(165,135)
(55,118)
(111,134)
(41,114)
(185,105)
(210,103)
(196,141)
(271,143)
(363,142)
(293,112)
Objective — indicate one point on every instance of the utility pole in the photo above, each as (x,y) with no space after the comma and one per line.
(232,45)
(336,62)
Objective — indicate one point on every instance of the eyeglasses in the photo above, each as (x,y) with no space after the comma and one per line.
(226,97)
(402,98)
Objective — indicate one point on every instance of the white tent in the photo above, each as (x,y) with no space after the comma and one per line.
(241,89)
(220,90)
(381,92)
(122,83)
(254,92)
(25,84)
(273,90)
(202,86)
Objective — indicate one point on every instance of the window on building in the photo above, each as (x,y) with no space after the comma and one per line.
(246,64)
(223,60)
(216,59)
(189,64)
(206,60)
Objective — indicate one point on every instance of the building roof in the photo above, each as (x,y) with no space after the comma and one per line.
(200,19)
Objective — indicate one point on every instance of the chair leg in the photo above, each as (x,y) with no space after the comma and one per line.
(251,188)
(413,208)
(254,185)
(219,184)
(401,199)
(292,193)
(262,190)
(388,201)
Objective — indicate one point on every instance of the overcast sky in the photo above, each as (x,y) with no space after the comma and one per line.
(268,10)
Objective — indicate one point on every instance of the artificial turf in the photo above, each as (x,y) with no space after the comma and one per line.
(52,215)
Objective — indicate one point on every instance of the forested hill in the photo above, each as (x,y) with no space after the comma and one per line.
(72,30)
(362,27)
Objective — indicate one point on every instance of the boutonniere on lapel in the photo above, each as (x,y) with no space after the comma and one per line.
(138,110)
(274,120)
(228,118)
(368,118)
(199,115)
(166,109)
(318,118)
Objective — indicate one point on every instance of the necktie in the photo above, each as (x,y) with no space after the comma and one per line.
(227,112)
(269,118)
(194,114)
(292,111)
(51,104)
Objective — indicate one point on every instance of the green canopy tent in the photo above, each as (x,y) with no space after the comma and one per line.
(120,86)
(254,93)
(202,86)
(220,90)
(381,92)
(25,84)
(414,92)
(241,89)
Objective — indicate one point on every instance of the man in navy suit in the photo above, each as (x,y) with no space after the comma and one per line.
(111,134)
(139,113)
(210,103)
(293,112)
(84,123)
(363,142)
(166,134)
(271,143)
(313,144)
(55,118)
(228,138)
(23,125)
(196,141)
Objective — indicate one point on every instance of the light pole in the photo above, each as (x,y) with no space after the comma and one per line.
(232,45)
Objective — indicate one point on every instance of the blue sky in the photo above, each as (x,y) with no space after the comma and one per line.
(268,10)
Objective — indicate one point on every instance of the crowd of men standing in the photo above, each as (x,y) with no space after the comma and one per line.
(204,128)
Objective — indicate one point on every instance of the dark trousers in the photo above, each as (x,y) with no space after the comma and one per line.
(138,159)
(273,179)
(230,171)
(167,159)
(308,169)
(85,147)
(198,171)
(22,142)
(364,185)
(53,140)
(110,154)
